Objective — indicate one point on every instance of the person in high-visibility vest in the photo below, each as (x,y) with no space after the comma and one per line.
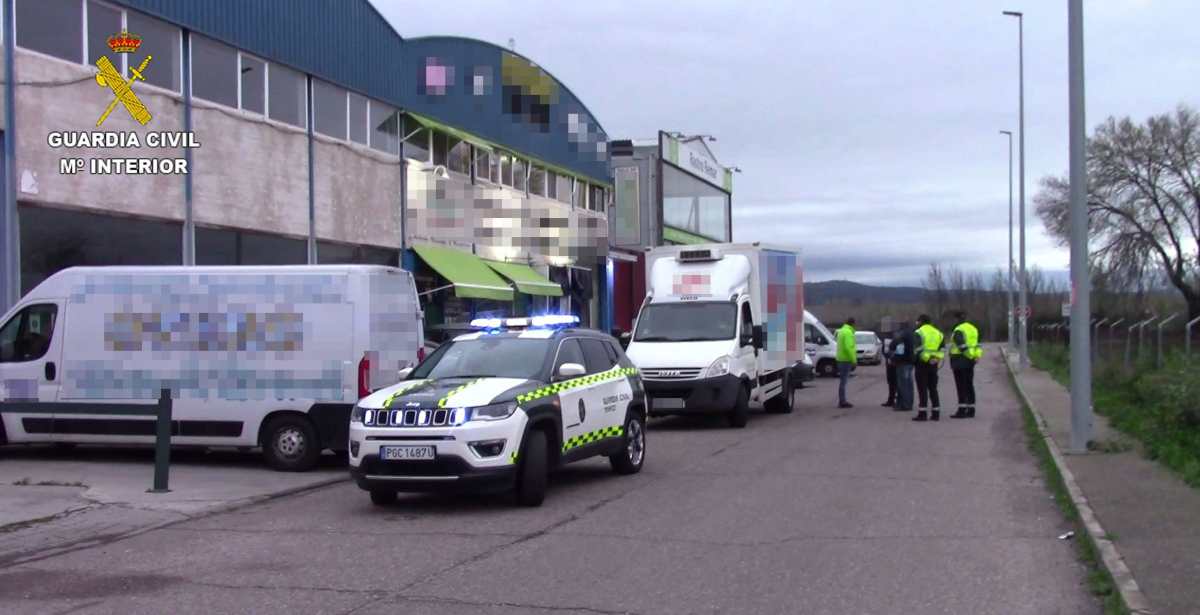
(929,357)
(964,353)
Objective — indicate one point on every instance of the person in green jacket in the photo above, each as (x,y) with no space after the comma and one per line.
(847,358)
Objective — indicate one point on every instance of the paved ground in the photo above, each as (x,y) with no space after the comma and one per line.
(1150,514)
(820,511)
(55,498)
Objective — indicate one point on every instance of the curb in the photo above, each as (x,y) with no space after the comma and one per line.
(208,512)
(1131,593)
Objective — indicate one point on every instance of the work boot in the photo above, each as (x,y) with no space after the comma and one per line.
(970,412)
(920,416)
(888,404)
(961,413)
(936,415)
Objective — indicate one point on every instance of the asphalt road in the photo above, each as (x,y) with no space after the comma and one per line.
(819,511)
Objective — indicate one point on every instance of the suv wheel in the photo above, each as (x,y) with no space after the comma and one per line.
(290,444)
(633,449)
(533,473)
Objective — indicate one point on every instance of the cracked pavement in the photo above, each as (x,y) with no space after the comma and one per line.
(820,511)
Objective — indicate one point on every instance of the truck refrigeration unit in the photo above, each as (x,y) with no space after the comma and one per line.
(722,326)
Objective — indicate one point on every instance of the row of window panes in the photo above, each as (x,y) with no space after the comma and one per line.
(220,73)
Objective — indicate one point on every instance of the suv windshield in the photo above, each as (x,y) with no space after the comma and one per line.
(486,357)
(687,322)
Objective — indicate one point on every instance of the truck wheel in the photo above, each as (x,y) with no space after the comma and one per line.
(532,476)
(783,402)
(290,444)
(633,447)
(382,497)
(740,415)
(827,368)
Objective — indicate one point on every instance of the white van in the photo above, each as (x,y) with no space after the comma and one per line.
(821,344)
(721,327)
(254,356)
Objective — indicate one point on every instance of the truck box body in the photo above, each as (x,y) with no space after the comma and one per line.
(233,344)
(768,280)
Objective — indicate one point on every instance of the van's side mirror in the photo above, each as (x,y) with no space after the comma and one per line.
(405,372)
(757,337)
(570,370)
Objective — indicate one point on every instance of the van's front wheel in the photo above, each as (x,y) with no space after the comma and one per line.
(290,444)
(740,414)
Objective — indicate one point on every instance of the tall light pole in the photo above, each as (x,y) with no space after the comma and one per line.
(1022,333)
(1081,312)
(1011,331)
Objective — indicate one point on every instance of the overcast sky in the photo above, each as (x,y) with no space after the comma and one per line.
(867,131)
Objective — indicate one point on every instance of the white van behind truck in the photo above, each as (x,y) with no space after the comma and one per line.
(821,345)
(722,325)
(253,356)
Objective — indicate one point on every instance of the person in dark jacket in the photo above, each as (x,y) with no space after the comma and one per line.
(890,370)
(902,351)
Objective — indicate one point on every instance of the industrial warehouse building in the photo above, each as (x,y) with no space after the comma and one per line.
(324,137)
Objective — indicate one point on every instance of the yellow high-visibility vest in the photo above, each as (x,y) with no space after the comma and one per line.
(931,343)
(971,348)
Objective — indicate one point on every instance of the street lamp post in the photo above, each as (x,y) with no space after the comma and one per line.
(1011,332)
(1081,309)
(1022,336)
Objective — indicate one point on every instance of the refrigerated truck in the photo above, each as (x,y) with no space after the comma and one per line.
(722,325)
(272,356)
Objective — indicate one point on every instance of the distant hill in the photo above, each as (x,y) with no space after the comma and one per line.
(834,291)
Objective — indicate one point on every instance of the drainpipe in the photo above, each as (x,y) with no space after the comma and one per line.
(10,255)
(312,196)
(189,223)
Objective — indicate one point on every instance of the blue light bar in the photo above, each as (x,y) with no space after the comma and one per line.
(554,320)
(487,323)
(539,322)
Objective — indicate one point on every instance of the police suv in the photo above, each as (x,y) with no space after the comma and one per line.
(497,409)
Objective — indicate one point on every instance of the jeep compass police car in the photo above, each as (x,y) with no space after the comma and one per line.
(498,409)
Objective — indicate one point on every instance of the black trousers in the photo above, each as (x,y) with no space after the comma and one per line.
(927,385)
(964,382)
(891,380)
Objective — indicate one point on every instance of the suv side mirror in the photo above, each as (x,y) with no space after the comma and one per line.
(570,370)
(404,373)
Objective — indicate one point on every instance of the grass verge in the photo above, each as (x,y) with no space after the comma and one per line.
(1099,581)
(1158,407)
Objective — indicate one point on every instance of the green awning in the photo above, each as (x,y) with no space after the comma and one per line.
(472,279)
(526,279)
(492,146)
(680,236)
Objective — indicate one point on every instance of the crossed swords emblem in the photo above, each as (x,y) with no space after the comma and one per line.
(122,90)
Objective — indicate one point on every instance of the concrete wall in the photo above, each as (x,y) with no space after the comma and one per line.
(357,194)
(69,99)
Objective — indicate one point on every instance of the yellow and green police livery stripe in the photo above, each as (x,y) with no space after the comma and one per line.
(566,385)
(614,431)
(401,391)
(442,402)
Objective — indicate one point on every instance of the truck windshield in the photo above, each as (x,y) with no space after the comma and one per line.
(687,322)
(486,357)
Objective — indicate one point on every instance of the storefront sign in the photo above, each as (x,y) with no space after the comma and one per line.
(694,157)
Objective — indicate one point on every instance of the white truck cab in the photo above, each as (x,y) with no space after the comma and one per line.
(721,326)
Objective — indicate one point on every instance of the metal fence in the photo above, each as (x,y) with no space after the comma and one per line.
(1132,340)
(160,410)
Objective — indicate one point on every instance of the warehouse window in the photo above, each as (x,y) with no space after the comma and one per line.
(416,140)
(579,196)
(329,109)
(102,22)
(595,198)
(214,71)
(358,118)
(53,27)
(506,170)
(254,84)
(485,165)
(564,188)
(519,176)
(232,247)
(287,95)
(335,253)
(551,184)
(459,157)
(439,148)
(161,40)
(385,128)
(537,181)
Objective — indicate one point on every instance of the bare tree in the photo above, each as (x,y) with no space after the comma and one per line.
(1143,200)
(936,292)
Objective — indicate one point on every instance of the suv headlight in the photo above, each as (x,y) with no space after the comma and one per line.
(720,367)
(358,414)
(493,412)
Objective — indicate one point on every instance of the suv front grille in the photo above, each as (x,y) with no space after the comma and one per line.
(671,373)
(416,417)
